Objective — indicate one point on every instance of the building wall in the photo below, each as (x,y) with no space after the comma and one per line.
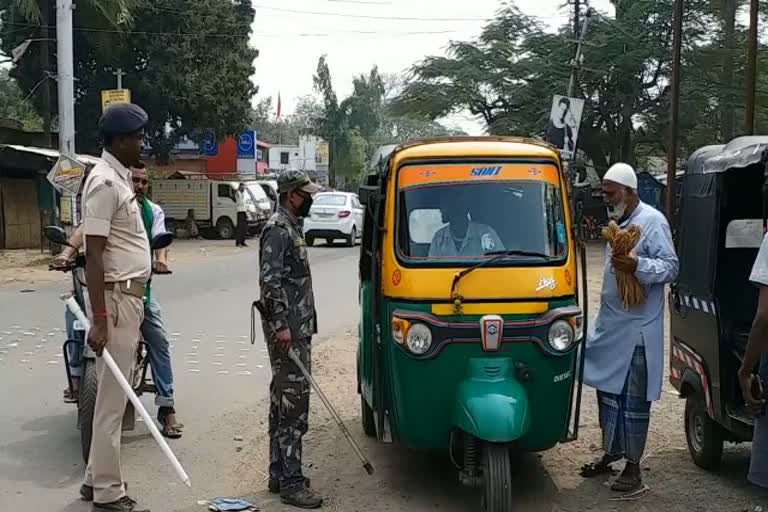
(20,214)
(302,156)
(225,162)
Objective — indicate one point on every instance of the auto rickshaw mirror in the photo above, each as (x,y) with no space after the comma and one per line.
(366,193)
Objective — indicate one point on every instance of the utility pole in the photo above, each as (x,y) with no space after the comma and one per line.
(66,78)
(677,25)
(577,60)
(576,14)
(119,74)
(66,88)
(749,118)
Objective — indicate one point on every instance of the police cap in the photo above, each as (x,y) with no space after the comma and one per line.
(123,118)
(291,180)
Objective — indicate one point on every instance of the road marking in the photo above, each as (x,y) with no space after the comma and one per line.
(218,355)
(53,362)
(223,372)
(241,364)
(217,364)
(24,361)
(259,366)
(29,333)
(193,362)
(246,372)
(13,345)
(193,370)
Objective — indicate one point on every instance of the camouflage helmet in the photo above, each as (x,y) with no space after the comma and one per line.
(291,180)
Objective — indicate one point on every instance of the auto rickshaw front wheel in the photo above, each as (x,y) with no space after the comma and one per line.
(497,478)
(703,434)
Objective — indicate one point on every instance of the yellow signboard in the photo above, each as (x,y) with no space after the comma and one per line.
(112,96)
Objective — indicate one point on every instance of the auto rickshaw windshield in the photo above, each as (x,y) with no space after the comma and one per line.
(469,221)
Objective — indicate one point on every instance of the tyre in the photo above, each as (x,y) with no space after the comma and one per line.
(310,241)
(497,478)
(369,423)
(225,229)
(352,237)
(704,436)
(89,386)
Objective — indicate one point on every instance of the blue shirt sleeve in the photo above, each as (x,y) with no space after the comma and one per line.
(661,264)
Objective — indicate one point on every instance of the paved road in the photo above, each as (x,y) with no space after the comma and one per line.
(218,374)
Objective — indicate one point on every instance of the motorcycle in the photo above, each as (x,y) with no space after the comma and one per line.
(76,348)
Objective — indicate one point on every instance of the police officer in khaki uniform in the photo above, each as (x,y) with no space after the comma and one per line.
(117,270)
(289,321)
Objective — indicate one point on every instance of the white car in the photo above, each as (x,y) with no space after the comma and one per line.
(334,215)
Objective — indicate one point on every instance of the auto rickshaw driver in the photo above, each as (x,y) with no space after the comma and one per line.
(462,236)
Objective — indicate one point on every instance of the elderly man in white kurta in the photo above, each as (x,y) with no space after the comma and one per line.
(625,347)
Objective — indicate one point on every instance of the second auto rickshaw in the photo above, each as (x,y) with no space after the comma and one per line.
(719,231)
(471,328)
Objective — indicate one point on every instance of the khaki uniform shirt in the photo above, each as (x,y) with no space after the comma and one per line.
(110,210)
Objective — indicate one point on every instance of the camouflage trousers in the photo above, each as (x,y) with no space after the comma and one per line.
(288,413)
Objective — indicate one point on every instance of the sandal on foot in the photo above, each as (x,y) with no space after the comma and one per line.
(71,396)
(627,484)
(601,466)
(169,430)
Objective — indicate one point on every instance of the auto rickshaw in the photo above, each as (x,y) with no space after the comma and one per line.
(712,304)
(470,346)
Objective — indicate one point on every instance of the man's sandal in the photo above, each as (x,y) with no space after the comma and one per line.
(601,466)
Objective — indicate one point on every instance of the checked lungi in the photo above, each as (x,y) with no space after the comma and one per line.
(624,418)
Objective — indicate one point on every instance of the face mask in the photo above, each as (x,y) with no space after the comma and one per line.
(305,206)
(617,212)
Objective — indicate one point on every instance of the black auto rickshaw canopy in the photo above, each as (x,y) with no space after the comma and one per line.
(719,228)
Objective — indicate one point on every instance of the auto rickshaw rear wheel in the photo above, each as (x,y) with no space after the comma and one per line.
(369,423)
(703,434)
(497,478)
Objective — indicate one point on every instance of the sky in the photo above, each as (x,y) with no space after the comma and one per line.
(291,35)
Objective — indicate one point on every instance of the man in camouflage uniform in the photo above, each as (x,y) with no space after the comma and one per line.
(289,304)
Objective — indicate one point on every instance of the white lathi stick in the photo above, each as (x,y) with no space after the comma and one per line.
(74,307)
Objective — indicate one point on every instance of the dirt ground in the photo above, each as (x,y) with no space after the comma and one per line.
(417,482)
(27,267)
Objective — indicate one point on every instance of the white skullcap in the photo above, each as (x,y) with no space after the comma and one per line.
(623,174)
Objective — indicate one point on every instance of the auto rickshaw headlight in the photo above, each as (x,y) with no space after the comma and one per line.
(561,335)
(419,339)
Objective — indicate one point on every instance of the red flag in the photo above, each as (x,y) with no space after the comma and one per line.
(277,117)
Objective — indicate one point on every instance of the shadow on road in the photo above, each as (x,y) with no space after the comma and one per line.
(43,458)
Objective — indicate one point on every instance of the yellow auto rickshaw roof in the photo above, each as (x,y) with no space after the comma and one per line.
(463,147)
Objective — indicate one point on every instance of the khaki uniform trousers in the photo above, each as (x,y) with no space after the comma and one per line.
(103,472)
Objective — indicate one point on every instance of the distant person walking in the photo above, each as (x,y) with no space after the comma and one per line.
(242,217)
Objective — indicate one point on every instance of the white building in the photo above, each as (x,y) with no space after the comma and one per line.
(294,157)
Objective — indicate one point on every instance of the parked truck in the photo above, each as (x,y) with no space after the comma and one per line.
(213,204)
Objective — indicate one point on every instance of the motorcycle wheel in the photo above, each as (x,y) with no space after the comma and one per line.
(89,385)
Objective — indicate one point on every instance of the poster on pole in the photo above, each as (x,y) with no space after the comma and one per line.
(563,125)
(66,175)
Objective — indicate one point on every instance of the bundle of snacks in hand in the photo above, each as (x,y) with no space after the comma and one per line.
(622,241)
